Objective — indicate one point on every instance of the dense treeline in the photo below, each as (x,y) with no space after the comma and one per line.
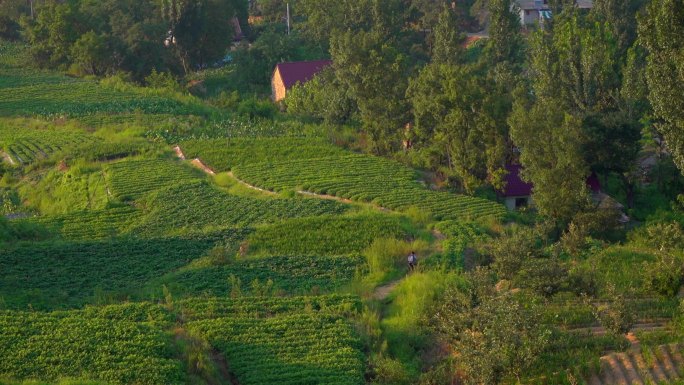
(104,37)
(580,94)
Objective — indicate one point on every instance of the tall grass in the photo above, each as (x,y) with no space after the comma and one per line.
(385,254)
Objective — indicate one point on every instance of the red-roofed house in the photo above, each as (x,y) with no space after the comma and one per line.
(518,193)
(287,75)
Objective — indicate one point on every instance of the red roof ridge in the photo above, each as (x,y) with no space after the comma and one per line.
(300,71)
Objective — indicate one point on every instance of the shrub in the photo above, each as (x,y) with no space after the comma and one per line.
(665,276)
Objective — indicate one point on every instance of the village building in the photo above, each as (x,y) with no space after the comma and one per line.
(536,11)
(287,75)
(518,194)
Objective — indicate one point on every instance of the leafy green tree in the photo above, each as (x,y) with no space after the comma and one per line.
(376,74)
(200,31)
(451,108)
(91,53)
(618,315)
(10,13)
(661,31)
(621,17)
(551,151)
(493,337)
(505,40)
(448,40)
(323,97)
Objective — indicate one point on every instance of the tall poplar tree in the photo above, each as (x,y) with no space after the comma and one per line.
(661,31)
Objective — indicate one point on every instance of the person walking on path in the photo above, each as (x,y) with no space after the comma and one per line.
(412,261)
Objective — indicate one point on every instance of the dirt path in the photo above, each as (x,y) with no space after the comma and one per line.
(382,293)
(324,196)
(242,182)
(639,327)
(681,292)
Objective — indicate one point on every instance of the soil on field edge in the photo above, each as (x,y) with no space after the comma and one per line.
(681,292)
(324,196)
(5,157)
(179,153)
(198,163)
(242,182)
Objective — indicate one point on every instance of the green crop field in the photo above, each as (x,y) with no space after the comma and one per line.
(288,274)
(28,144)
(164,221)
(63,274)
(310,164)
(120,344)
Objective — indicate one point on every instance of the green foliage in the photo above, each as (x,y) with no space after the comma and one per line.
(195,309)
(414,300)
(133,179)
(27,141)
(456,118)
(660,31)
(666,275)
(497,335)
(324,235)
(616,316)
(119,344)
(323,97)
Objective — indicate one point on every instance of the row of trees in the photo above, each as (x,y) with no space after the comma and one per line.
(574,97)
(134,36)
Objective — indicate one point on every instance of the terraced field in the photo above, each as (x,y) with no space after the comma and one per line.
(28,145)
(288,275)
(314,166)
(286,348)
(121,344)
(661,365)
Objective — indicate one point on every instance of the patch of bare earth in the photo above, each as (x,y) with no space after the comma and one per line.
(661,365)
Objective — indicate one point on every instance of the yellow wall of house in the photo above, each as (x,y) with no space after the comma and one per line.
(277,86)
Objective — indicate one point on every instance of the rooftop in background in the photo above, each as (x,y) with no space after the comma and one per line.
(300,72)
(541,4)
(516,187)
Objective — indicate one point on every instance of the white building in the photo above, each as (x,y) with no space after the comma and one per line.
(536,11)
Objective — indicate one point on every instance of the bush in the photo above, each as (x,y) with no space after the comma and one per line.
(665,276)
(546,276)
(254,108)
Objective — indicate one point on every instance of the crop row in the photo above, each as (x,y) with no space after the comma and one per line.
(324,235)
(60,274)
(198,205)
(289,274)
(294,349)
(264,307)
(226,153)
(25,145)
(132,179)
(91,224)
(113,344)
(79,98)
(369,179)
